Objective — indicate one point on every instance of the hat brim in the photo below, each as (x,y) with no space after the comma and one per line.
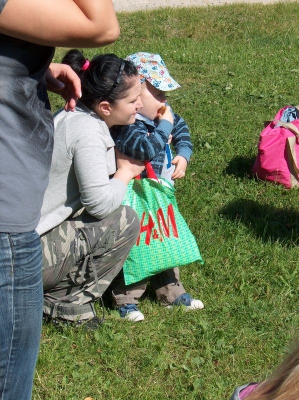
(164,85)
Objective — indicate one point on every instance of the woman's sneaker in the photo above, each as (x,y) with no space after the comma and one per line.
(131,313)
(186,300)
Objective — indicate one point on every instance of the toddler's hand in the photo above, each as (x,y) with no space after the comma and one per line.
(180,167)
(167,115)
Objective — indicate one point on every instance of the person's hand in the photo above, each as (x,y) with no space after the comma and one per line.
(62,80)
(180,167)
(127,168)
(167,115)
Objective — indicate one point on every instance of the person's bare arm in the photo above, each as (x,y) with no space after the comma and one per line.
(61,23)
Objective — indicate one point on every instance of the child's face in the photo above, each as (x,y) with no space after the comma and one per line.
(152,99)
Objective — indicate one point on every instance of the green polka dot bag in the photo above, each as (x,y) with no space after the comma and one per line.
(165,240)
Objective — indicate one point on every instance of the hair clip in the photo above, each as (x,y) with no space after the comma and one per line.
(85,65)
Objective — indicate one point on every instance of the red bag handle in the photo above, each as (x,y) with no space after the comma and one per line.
(150,171)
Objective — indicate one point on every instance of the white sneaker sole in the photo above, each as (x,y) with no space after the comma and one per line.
(135,316)
(195,305)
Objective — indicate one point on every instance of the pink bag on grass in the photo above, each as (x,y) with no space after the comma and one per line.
(278,152)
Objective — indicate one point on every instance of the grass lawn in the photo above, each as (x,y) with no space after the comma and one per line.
(237,65)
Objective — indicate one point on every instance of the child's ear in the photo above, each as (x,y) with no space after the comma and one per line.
(104,108)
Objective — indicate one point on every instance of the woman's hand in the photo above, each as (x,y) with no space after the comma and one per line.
(127,168)
(62,80)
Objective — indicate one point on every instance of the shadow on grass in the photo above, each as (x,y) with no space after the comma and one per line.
(240,167)
(268,223)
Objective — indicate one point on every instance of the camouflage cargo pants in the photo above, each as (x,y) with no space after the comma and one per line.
(81,257)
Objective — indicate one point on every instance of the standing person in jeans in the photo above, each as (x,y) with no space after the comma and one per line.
(29,32)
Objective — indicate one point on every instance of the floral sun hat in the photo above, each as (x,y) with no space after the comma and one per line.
(152,68)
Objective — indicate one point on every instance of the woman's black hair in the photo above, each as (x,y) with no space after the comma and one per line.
(107,77)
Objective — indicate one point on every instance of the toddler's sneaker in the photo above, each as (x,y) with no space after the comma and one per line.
(186,300)
(131,313)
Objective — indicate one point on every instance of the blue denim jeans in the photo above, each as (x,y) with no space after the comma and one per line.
(21,299)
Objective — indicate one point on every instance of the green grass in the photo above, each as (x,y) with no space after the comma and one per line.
(237,66)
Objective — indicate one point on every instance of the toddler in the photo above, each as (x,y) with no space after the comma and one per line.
(149,138)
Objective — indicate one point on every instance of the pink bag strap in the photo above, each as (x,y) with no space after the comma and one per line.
(288,125)
(290,144)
